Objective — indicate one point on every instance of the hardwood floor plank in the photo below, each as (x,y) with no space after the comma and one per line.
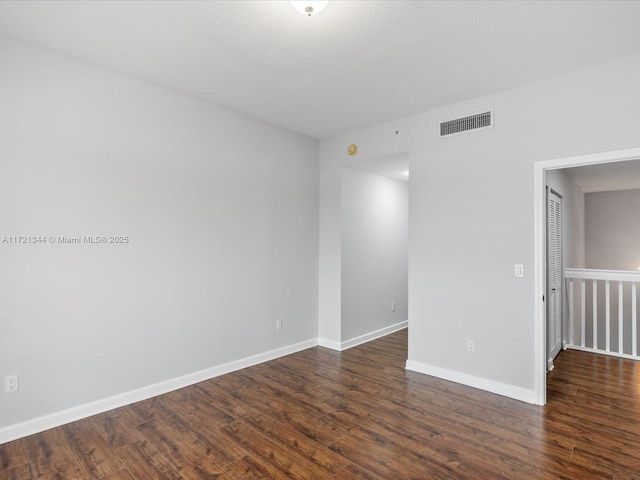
(146,463)
(52,456)
(353,472)
(12,455)
(320,430)
(269,452)
(601,457)
(296,443)
(274,402)
(199,408)
(219,449)
(144,411)
(248,468)
(186,452)
(123,474)
(225,400)
(568,470)
(387,460)
(91,451)
(21,472)
(134,414)
(115,429)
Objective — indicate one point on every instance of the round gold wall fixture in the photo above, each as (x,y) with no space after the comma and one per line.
(352,149)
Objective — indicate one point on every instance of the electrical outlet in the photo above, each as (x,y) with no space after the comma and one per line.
(471,345)
(393,307)
(519,270)
(279,324)
(11,384)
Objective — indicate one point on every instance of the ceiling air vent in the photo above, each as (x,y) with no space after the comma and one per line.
(467,124)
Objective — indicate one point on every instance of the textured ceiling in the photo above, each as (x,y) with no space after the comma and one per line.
(358,63)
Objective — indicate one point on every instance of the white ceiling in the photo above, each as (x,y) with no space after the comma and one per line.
(607,176)
(392,166)
(356,64)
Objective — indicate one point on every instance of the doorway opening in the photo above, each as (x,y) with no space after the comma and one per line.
(374,248)
(540,242)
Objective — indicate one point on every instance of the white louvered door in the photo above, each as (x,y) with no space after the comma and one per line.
(554,276)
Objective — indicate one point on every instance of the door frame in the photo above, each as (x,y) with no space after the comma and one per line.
(540,282)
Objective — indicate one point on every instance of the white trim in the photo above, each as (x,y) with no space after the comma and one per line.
(539,242)
(367,337)
(505,389)
(36,425)
(332,344)
(540,327)
(590,159)
(611,275)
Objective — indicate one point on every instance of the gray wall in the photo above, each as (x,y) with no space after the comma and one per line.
(375,219)
(573,218)
(612,221)
(221,212)
(471,216)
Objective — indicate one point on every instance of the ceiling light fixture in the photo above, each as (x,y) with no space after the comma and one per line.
(309,7)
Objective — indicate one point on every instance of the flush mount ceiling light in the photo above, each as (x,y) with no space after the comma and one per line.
(309,7)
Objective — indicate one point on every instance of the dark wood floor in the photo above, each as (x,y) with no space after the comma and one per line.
(353,415)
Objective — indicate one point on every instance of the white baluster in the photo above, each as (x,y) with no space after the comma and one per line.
(620,316)
(571,320)
(595,314)
(634,321)
(583,323)
(607,313)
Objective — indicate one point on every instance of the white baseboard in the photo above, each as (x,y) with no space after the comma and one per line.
(36,425)
(332,344)
(367,337)
(504,389)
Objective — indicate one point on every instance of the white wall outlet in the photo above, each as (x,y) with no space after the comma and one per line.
(11,384)
(279,324)
(471,345)
(519,270)
(393,307)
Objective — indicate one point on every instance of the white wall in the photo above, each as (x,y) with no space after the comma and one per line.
(613,230)
(472,215)
(374,252)
(221,212)
(573,218)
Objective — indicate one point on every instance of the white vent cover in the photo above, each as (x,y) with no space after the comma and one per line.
(466,124)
